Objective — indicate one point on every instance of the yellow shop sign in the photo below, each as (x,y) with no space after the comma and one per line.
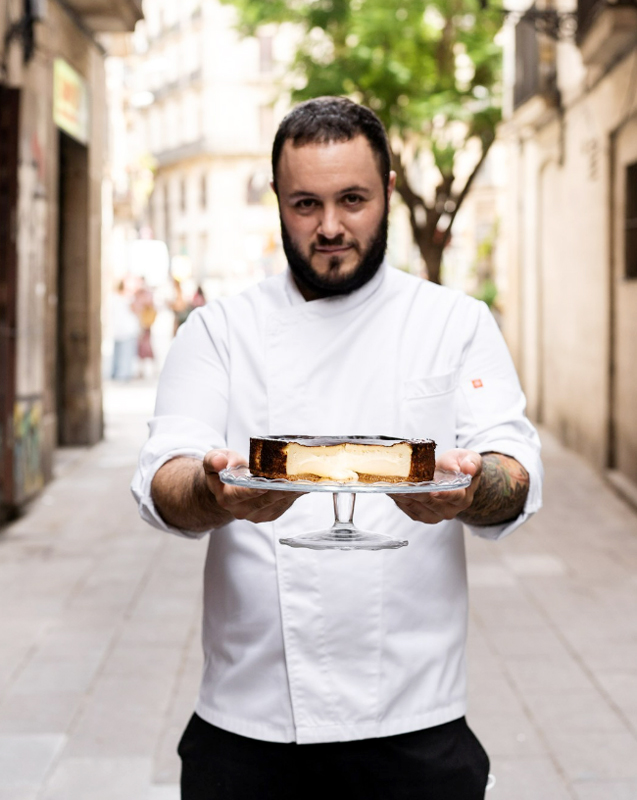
(70,101)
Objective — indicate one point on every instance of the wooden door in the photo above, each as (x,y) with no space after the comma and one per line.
(9,123)
(623,451)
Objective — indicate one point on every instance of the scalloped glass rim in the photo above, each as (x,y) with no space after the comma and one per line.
(443,482)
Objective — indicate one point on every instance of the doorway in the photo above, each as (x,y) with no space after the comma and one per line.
(9,124)
(623,434)
(72,384)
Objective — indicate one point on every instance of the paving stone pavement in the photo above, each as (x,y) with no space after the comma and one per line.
(100,655)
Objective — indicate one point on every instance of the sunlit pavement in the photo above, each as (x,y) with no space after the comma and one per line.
(100,654)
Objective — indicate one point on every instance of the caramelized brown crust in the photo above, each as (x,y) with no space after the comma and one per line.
(268,456)
(423,460)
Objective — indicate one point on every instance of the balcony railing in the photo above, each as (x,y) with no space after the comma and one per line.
(534,64)
(527,75)
(106,16)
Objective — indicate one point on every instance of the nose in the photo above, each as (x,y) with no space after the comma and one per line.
(330,225)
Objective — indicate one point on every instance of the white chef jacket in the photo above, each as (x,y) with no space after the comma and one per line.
(321,646)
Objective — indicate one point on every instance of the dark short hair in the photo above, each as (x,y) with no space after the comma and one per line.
(332,119)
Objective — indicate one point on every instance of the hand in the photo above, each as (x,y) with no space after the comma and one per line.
(436,506)
(255,505)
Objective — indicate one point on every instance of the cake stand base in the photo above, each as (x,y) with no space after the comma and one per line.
(344,538)
(344,535)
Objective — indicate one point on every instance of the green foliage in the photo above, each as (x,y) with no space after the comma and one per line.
(488,292)
(412,61)
(487,289)
(429,68)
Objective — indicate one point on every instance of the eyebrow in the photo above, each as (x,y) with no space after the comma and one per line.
(346,190)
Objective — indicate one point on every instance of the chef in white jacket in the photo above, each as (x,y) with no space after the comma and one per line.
(336,671)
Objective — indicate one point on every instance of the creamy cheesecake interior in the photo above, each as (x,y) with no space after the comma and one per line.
(345,462)
(343,458)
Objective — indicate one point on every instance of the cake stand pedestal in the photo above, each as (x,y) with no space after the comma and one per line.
(344,535)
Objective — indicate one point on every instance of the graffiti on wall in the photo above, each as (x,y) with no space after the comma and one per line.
(33,212)
(27,448)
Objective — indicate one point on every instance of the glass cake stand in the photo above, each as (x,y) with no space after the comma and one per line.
(344,535)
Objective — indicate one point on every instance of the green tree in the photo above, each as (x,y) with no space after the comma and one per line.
(429,68)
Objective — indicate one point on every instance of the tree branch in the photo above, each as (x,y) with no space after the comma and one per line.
(411,198)
(465,191)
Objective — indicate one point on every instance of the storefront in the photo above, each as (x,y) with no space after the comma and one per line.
(52,152)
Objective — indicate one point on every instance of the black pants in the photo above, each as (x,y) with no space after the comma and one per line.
(446,762)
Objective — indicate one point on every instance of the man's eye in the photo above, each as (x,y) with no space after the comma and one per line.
(352,199)
(305,204)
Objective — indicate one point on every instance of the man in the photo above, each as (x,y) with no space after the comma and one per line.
(333,671)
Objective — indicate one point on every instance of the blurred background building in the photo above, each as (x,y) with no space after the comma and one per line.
(52,151)
(572,225)
(195,108)
(137,149)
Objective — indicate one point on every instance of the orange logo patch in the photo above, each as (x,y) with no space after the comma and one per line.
(477,383)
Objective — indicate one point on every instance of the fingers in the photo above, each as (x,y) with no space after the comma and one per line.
(458,460)
(216,460)
(273,511)
(242,506)
(434,507)
(255,505)
(471,464)
(417,511)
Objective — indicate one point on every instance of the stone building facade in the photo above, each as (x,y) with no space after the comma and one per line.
(201,106)
(52,151)
(572,226)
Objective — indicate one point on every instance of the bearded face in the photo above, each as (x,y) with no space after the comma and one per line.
(334,209)
(334,281)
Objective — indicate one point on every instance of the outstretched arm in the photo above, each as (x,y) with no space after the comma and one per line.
(189,495)
(497,492)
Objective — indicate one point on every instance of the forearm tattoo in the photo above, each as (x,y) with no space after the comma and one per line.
(501,493)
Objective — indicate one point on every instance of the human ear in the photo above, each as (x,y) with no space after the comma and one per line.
(391,185)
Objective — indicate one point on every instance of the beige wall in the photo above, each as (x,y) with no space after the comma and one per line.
(559,237)
(624,349)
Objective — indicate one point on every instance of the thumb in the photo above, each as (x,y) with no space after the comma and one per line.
(471,464)
(214,461)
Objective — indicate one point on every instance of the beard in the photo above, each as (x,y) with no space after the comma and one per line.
(334,284)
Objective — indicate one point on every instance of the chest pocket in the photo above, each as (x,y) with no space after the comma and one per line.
(429,412)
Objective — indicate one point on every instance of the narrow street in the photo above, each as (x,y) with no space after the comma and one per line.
(100,653)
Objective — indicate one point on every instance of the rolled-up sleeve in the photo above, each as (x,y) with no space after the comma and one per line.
(191,409)
(491,413)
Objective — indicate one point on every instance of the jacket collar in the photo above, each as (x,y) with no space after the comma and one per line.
(333,305)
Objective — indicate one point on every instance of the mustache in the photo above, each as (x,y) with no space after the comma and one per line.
(336,241)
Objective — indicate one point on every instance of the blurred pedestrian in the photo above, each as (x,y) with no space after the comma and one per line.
(179,305)
(198,298)
(144,307)
(125,329)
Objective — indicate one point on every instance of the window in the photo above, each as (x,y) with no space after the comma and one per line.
(535,64)
(587,12)
(631,221)
(182,195)
(527,82)
(203,191)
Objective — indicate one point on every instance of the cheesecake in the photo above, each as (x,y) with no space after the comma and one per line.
(366,459)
